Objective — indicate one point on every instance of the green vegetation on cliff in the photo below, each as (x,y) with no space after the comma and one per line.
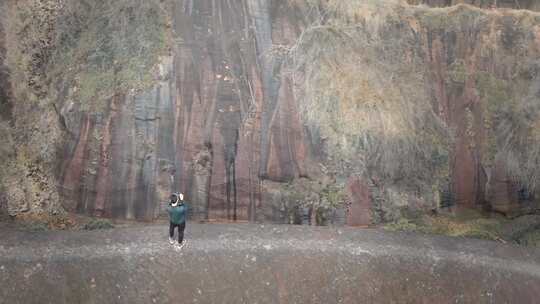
(362,90)
(87,51)
(106,48)
(402,95)
(511,117)
(66,56)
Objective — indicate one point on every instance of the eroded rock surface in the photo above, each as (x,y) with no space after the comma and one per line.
(220,116)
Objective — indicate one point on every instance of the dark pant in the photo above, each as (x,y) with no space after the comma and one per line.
(181,228)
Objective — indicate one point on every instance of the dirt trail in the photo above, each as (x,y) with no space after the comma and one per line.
(262,264)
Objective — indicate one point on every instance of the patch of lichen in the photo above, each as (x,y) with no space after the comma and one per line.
(84,51)
(495,97)
(511,112)
(362,91)
(29,44)
(7,149)
(79,53)
(452,19)
(113,48)
(457,71)
(319,196)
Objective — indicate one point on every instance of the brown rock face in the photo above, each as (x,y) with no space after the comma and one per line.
(223,116)
(459,62)
(5,107)
(221,119)
(502,192)
(5,110)
(234,103)
(122,162)
(359,211)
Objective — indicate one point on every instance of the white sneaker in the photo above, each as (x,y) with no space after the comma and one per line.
(171,241)
(178,247)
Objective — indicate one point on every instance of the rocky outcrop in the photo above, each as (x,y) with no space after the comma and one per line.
(219,120)
(208,99)
(360,208)
(29,130)
(5,113)
(466,81)
(5,90)
(235,102)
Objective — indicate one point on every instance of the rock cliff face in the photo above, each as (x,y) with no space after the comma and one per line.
(476,69)
(4,88)
(209,100)
(218,119)
(4,104)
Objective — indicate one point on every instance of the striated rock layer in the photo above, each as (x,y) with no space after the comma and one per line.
(221,120)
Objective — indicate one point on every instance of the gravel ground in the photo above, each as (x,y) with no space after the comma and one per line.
(242,263)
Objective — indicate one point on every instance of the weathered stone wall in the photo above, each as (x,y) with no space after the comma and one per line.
(218,116)
(4,106)
(484,45)
(30,126)
(475,60)
(4,84)
(219,119)
(262,264)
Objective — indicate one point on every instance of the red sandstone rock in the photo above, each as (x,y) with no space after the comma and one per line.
(360,208)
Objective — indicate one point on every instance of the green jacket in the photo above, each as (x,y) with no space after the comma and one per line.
(177,214)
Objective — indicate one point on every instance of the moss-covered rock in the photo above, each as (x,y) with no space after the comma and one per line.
(417,101)
(98,224)
(423,132)
(66,58)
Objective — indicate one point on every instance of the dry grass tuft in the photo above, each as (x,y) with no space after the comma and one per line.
(358,88)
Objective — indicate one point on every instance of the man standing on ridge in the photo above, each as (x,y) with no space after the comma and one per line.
(177,210)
